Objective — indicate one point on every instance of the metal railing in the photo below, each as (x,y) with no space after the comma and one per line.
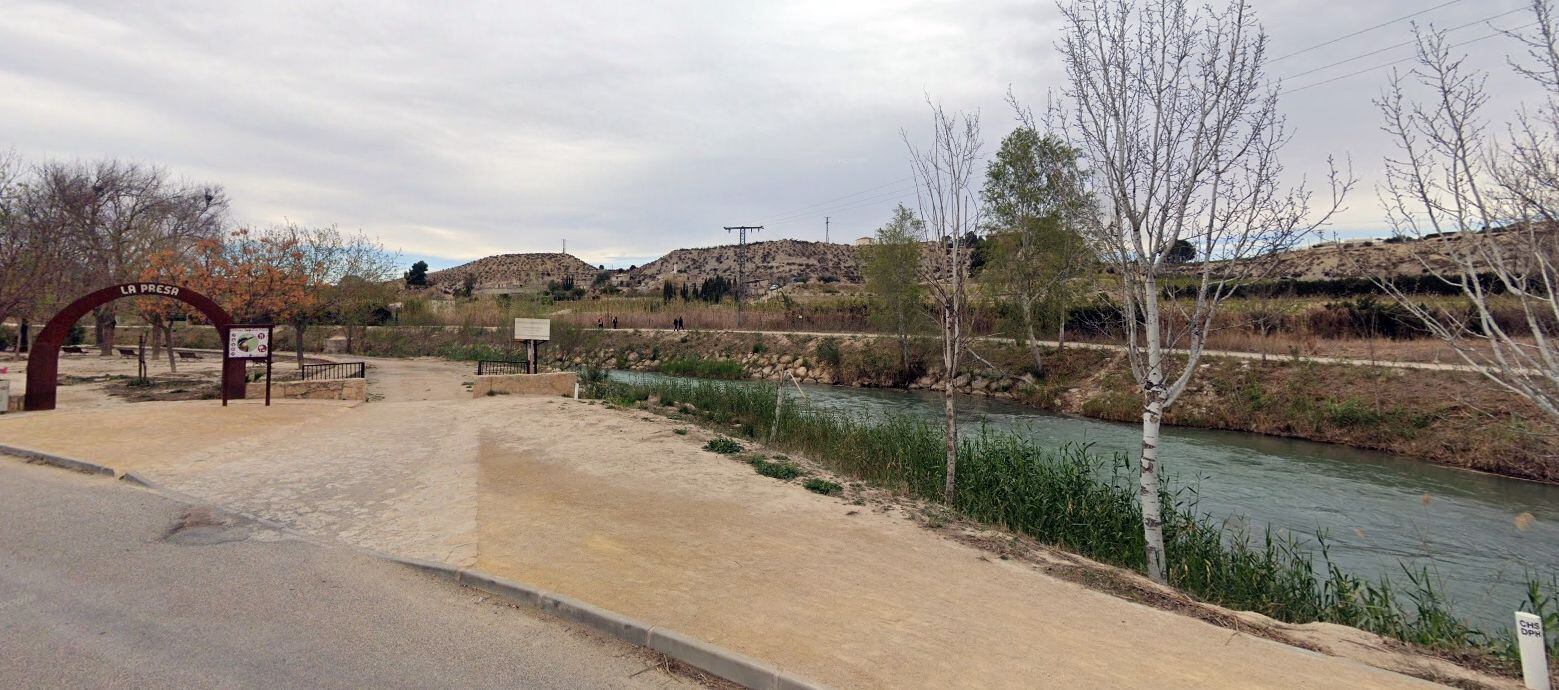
(337,370)
(485,367)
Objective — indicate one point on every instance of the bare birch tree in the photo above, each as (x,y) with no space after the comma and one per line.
(949,207)
(1480,209)
(1169,103)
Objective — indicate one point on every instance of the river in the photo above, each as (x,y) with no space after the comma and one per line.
(1377,509)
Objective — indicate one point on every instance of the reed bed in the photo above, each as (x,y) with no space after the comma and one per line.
(1082,502)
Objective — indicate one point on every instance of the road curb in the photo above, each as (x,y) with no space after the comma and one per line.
(707,657)
(58,461)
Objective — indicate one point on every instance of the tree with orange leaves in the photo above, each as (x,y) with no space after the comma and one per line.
(259,277)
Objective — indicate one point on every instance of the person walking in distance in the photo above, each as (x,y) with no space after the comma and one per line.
(614,323)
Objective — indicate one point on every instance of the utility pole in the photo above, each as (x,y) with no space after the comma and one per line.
(565,246)
(741,263)
(827,221)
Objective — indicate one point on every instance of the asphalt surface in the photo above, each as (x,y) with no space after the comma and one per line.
(104,584)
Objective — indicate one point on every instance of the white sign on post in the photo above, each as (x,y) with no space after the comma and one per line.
(249,343)
(533,329)
(1534,653)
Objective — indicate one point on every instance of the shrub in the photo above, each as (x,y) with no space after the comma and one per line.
(823,486)
(589,374)
(779,470)
(827,352)
(723,446)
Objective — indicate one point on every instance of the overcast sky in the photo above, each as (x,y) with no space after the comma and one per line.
(626,128)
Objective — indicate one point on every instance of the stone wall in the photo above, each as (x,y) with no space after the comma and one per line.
(858,361)
(318,389)
(556,384)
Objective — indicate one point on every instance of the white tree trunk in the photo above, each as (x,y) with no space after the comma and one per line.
(1154,394)
(950,369)
(1152,510)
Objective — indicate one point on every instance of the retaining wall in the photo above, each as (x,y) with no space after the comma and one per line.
(317,389)
(557,383)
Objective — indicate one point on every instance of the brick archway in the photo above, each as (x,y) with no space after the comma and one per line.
(43,362)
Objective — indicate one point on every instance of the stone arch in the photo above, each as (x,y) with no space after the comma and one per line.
(43,362)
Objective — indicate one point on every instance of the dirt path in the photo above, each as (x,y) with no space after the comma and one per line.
(613,507)
(1234,354)
(419,378)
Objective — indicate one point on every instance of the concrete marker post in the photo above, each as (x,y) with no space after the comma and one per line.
(1534,650)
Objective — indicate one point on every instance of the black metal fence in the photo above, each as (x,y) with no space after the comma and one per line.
(338,370)
(486,367)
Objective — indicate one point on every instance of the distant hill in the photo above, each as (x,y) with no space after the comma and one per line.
(1362,258)
(514,272)
(776,262)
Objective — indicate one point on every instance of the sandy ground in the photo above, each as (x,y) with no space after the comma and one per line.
(612,507)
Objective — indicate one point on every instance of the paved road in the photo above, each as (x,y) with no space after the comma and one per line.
(1236,354)
(100,587)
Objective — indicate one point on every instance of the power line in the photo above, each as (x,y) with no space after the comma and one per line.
(1366,30)
(801,209)
(845,206)
(1485,37)
(1400,45)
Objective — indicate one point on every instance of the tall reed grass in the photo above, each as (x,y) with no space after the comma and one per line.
(1086,503)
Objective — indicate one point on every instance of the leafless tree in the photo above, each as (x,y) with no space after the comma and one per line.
(115,215)
(949,207)
(349,278)
(1169,103)
(1479,207)
(29,250)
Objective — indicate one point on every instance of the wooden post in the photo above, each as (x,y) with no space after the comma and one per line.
(222,332)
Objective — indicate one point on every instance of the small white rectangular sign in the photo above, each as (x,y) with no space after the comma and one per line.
(533,329)
(1534,652)
(249,343)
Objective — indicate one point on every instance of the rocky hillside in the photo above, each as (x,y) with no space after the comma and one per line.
(505,272)
(778,262)
(1362,258)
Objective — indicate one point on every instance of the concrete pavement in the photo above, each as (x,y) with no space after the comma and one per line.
(106,585)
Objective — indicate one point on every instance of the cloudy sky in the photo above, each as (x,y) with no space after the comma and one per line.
(626,128)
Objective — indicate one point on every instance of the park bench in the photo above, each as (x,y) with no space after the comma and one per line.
(186,354)
(73,350)
(128,352)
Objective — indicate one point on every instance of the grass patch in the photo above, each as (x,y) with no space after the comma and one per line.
(1086,503)
(723,446)
(679,432)
(823,486)
(778,470)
